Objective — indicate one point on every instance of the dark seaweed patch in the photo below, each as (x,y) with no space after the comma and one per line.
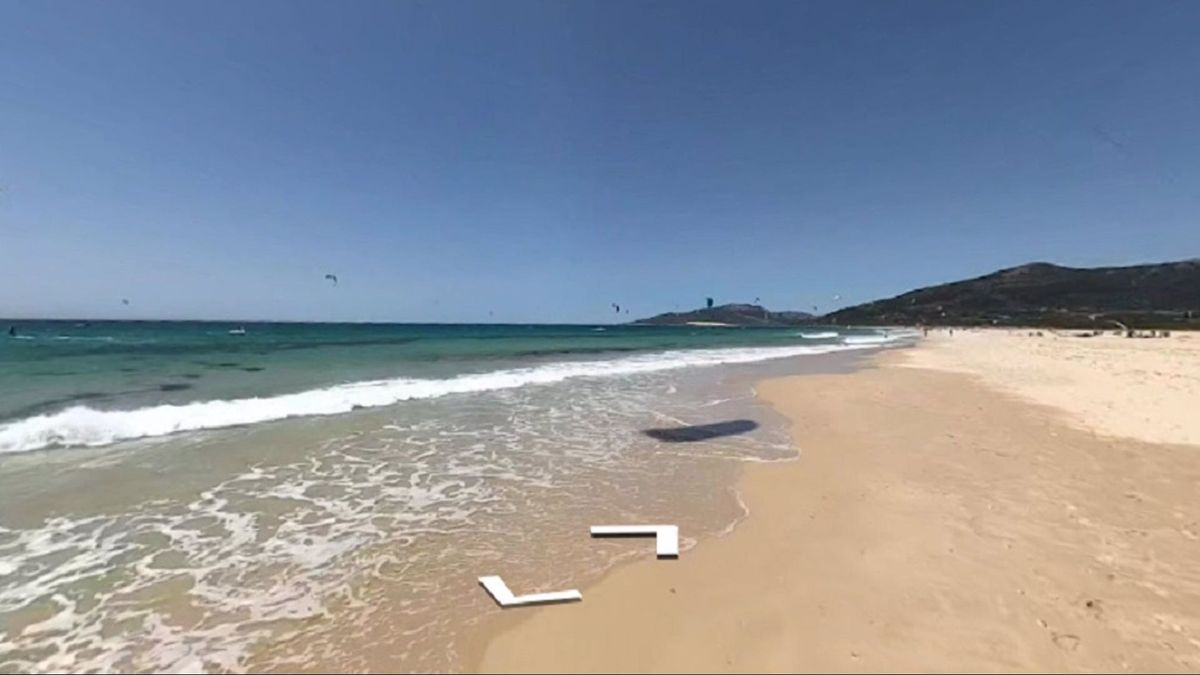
(571,351)
(217,364)
(695,433)
(53,404)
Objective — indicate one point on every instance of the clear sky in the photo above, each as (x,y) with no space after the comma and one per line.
(541,160)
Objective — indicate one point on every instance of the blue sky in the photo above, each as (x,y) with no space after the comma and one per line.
(541,160)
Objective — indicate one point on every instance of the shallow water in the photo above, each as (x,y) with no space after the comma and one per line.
(353,541)
(78,374)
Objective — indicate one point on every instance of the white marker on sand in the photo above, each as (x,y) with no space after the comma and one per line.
(496,587)
(666,537)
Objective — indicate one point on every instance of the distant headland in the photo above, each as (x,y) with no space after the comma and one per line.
(1163,295)
(730,315)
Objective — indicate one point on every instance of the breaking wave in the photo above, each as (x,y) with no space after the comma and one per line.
(85,426)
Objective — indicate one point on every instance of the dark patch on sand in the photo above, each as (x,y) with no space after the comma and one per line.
(701,432)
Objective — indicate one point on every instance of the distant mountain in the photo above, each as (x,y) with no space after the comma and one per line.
(1041,294)
(734,315)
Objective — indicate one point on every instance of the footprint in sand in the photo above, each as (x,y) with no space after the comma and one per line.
(1065,641)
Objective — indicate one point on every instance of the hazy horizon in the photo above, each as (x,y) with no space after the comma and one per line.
(623,317)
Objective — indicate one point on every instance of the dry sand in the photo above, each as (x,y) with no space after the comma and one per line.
(932,523)
(1148,389)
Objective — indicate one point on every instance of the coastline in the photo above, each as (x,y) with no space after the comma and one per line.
(934,521)
(266,518)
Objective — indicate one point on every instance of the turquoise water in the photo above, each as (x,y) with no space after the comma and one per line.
(312,497)
(49,368)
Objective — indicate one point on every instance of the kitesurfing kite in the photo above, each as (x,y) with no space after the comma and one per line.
(333,278)
(124,301)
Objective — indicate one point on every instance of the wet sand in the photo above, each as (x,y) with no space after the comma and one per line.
(935,521)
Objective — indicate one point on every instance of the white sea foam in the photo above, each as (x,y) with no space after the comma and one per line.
(822,335)
(84,426)
(868,340)
(337,504)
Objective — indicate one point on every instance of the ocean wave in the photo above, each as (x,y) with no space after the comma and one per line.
(823,335)
(84,426)
(869,339)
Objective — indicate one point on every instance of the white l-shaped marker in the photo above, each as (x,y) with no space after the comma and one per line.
(496,587)
(666,544)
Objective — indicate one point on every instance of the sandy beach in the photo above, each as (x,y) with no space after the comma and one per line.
(988,501)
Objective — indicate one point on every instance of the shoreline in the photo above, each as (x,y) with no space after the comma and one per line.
(472,642)
(996,534)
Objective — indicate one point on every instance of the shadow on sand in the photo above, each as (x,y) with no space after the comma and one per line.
(701,432)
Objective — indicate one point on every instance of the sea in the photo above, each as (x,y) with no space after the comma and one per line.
(219,497)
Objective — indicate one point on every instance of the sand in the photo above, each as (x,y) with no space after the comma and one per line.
(935,521)
(1148,389)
